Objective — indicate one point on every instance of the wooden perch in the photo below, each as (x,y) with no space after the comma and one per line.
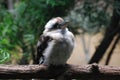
(82,72)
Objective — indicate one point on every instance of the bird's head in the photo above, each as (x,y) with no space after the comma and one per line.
(56,24)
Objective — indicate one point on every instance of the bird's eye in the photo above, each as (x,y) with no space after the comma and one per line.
(55,26)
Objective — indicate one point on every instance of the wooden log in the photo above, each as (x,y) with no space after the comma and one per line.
(82,72)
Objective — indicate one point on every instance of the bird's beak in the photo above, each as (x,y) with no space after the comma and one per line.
(64,24)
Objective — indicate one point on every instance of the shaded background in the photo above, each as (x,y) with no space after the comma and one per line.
(95,24)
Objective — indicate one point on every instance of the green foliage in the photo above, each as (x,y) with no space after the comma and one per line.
(4,56)
(5,32)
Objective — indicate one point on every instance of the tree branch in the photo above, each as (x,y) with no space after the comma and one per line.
(83,72)
(112,49)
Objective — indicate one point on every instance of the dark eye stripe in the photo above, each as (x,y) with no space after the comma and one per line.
(55,26)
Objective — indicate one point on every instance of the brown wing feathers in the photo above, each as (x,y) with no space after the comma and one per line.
(41,47)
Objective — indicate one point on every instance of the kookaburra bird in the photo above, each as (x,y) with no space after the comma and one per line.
(55,44)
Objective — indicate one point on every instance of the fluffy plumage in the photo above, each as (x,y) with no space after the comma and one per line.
(55,44)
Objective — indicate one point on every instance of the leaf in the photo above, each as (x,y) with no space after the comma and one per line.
(3,56)
(28,38)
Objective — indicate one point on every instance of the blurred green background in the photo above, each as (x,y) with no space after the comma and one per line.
(22,22)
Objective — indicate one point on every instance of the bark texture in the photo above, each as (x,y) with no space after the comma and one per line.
(82,72)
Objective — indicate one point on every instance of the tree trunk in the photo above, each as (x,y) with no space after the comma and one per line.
(86,47)
(10,4)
